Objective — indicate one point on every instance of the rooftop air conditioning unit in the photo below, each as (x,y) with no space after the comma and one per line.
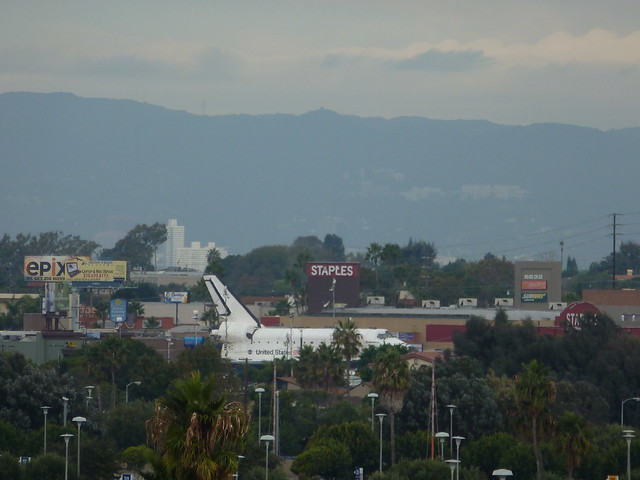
(375,301)
(430,303)
(503,302)
(467,302)
(557,305)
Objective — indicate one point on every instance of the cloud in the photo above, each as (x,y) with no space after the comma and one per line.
(500,192)
(417,194)
(438,60)
(389,173)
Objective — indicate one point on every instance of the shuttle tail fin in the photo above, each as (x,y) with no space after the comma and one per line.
(227,304)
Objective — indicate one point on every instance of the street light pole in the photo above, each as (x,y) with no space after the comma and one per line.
(259,391)
(126,390)
(453,465)
(79,421)
(451,409)
(458,441)
(65,410)
(237,474)
(637,399)
(628,436)
(381,418)
(373,397)
(195,328)
(442,436)
(66,437)
(89,389)
(266,439)
(45,410)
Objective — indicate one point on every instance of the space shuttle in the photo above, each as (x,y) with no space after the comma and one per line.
(243,339)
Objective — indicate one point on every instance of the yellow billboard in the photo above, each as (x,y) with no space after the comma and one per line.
(61,268)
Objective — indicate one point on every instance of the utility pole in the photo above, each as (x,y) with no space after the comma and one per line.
(613,273)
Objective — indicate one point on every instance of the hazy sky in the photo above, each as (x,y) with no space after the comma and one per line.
(508,61)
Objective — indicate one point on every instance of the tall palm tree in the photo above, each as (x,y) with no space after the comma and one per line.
(391,377)
(196,431)
(373,255)
(535,392)
(330,366)
(305,368)
(572,438)
(348,341)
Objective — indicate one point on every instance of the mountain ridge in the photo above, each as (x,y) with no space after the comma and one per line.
(97,167)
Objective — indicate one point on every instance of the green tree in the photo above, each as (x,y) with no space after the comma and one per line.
(572,267)
(391,253)
(205,359)
(211,317)
(15,310)
(152,322)
(333,450)
(25,387)
(106,358)
(535,392)
(125,424)
(135,308)
(46,467)
(373,256)
(391,378)
(197,432)
(348,341)
(572,439)
(139,245)
(305,368)
(327,459)
(330,366)
(9,467)
(102,310)
(214,263)
(334,247)
(113,362)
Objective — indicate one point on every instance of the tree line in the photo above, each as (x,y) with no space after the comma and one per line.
(280,269)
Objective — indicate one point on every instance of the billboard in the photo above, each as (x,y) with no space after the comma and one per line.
(49,268)
(537,284)
(332,285)
(79,270)
(175,297)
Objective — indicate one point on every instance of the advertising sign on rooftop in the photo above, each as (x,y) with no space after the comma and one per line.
(79,270)
(176,297)
(49,268)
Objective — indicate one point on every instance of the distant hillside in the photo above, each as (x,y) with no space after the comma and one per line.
(97,167)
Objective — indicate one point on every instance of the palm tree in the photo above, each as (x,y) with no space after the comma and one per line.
(535,392)
(195,430)
(348,341)
(106,358)
(136,308)
(211,317)
(391,377)
(373,255)
(305,368)
(572,438)
(330,365)
(102,310)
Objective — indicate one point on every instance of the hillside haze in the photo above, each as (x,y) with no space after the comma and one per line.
(98,167)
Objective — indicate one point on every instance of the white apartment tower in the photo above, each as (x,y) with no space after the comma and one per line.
(175,241)
(176,255)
